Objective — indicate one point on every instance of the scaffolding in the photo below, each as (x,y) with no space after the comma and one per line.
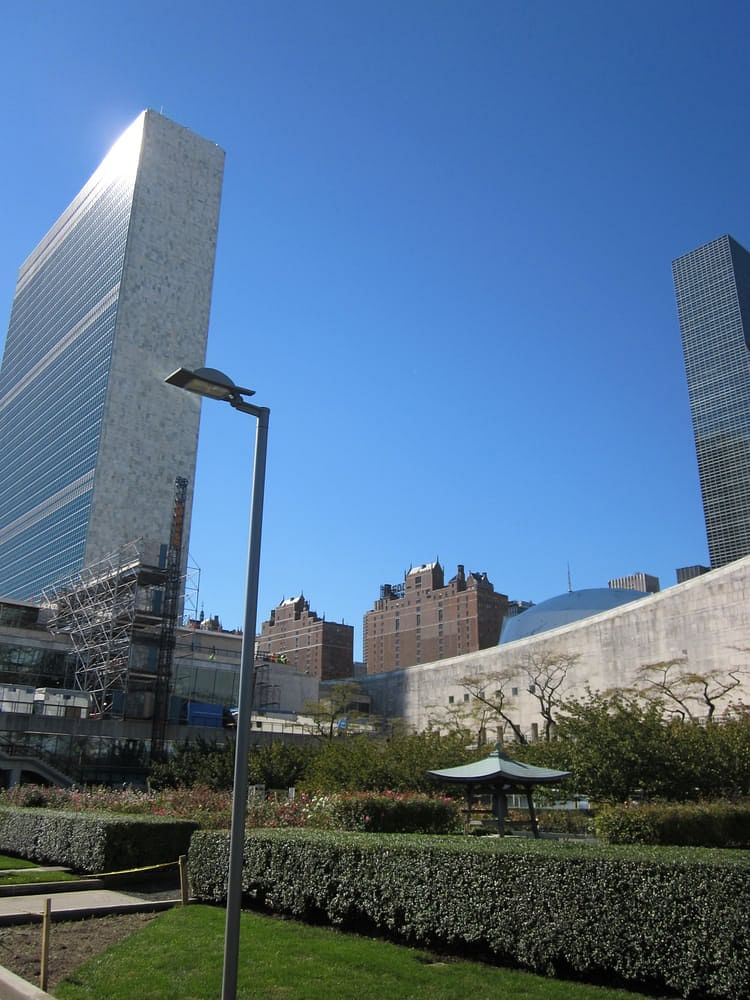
(191,592)
(113,613)
(266,693)
(170,612)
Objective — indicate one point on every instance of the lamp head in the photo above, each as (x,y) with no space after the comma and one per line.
(208,382)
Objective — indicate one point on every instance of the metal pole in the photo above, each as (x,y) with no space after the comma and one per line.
(247,678)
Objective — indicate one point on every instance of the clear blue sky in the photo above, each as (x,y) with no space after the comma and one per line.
(444,263)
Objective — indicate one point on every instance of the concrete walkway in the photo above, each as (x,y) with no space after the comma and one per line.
(80,903)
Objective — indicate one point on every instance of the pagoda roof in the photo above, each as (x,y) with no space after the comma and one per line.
(499,768)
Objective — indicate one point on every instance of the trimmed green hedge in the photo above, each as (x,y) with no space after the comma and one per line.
(92,842)
(709,824)
(652,917)
(374,812)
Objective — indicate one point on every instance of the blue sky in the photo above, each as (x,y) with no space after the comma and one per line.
(444,263)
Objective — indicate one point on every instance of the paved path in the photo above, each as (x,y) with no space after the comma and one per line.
(86,902)
(85,899)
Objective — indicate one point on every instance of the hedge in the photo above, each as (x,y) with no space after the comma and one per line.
(92,842)
(709,824)
(377,812)
(652,918)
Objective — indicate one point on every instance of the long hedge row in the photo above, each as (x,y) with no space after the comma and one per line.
(691,824)
(655,918)
(92,842)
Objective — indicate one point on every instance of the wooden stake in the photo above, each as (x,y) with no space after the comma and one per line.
(44,971)
(184,887)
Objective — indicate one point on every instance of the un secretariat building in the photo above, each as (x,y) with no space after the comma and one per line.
(114,298)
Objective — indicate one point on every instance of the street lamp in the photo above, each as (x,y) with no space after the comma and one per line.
(216,385)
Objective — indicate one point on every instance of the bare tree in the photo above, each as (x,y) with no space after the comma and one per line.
(491,696)
(672,684)
(469,718)
(664,682)
(715,685)
(490,691)
(546,670)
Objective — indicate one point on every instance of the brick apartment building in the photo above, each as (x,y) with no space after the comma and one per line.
(311,644)
(423,619)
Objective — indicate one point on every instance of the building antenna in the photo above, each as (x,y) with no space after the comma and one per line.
(570,582)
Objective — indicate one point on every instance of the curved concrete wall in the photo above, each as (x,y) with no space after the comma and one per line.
(706,621)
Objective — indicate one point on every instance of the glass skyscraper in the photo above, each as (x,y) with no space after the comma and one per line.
(114,298)
(712,285)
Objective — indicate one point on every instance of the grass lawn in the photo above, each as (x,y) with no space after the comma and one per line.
(25,878)
(7,863)
(179,954)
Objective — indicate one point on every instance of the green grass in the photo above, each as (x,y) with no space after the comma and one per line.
(14,871)
(26,878)
(179,954)
(7,863)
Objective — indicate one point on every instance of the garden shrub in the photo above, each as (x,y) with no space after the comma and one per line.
(385,812)
(708,824)
(657,918)
(92,842)
(394,813)
(206,806)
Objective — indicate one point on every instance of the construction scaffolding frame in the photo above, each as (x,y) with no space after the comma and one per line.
(170,609)
(108,610)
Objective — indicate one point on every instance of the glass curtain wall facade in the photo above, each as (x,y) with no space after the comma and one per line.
(60,338)
(712,285)
(115,296)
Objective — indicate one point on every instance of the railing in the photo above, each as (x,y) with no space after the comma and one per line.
(47,765)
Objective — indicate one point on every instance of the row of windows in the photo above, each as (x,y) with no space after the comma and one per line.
(46,551)
(76,275)
(499,695)
(34,666)
(47,447)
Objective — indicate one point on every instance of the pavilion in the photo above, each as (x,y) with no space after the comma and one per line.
(500,776)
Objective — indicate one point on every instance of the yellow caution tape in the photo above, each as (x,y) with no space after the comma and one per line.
(135,871)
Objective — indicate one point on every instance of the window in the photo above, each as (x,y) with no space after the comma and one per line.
(514,691)
(450,699)
(466,697)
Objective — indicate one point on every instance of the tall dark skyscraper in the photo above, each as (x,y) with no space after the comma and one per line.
(114,298)
(713,300)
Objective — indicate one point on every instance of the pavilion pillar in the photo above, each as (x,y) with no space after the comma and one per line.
(500,808)
(532,814)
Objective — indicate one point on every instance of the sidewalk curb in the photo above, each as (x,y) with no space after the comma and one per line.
(12,987)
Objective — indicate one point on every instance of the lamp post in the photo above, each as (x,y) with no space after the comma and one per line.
(216,385)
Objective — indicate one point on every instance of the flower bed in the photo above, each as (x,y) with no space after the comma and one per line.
(374,812)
